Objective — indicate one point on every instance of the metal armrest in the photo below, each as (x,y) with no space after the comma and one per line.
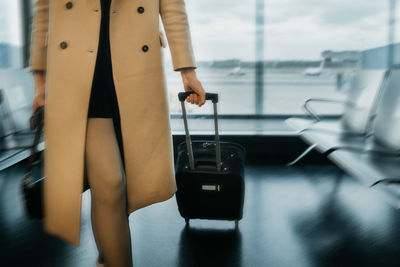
(387,181)
(302,155)
(362,150)
(311,147)
(342,133)
(375,152)
(21,132)
(312,113)
(15,148)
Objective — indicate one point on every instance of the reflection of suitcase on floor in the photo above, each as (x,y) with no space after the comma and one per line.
(209,175)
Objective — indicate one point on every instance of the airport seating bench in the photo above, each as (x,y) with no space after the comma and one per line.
(373,157)
(16,97)
(368,167)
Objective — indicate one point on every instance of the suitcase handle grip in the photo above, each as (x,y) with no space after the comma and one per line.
(209,96)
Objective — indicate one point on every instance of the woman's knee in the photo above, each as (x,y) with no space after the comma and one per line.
(106,179)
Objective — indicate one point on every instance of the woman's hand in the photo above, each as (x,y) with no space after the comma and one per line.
(191,83)
(40,81)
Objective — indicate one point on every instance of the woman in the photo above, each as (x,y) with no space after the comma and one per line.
(107,123)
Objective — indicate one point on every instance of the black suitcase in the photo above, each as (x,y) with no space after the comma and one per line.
(209,174)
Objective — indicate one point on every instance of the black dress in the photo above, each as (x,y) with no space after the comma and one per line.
(103,100)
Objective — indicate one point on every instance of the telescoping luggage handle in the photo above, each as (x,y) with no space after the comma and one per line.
(209,96)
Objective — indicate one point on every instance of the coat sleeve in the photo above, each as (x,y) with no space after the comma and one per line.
(38,44)
(176,25)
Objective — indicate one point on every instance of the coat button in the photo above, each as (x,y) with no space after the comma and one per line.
(145,48)
(69,5)
(140,9)
(63,45)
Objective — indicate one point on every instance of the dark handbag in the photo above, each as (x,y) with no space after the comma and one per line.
(31,185)
(32,182)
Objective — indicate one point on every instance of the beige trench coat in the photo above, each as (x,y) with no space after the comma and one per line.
(65,37)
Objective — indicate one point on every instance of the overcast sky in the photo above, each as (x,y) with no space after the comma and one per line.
(294,29)
(10,22)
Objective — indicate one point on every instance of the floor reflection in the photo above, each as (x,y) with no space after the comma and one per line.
(210,247)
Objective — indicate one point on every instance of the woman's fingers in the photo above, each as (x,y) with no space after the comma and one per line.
(199,95)
(196,99)
(193,98)
(191,83)
(199,98)
(39,100)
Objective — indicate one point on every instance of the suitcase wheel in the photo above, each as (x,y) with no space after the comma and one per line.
(187,220)
(236,224)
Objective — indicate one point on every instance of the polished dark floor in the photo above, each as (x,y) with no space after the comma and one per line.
(304,216)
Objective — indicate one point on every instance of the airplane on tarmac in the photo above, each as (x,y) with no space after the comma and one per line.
(315,71)
(237,72)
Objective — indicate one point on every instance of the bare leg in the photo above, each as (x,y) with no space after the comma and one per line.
(107,182)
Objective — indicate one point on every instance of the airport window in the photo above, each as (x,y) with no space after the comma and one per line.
(271,60)
(261,57)
(11,34)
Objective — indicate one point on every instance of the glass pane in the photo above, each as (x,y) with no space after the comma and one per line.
(223,41)
(11,40)
(304,49)
(313,48)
